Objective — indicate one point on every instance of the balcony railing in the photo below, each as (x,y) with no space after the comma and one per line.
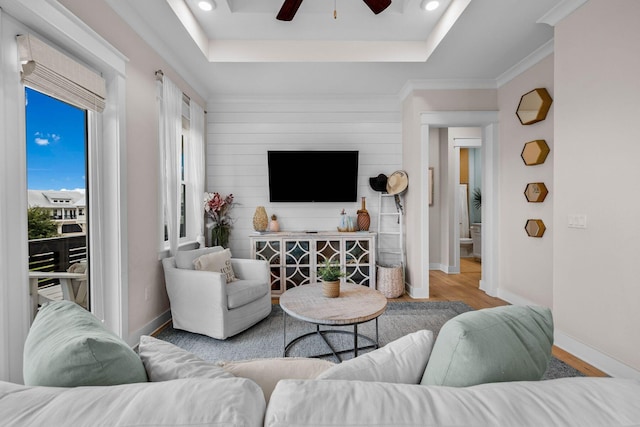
(56,254)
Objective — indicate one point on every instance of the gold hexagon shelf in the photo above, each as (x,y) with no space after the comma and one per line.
(535,227)
(534,106)
(535,152)
(536,192)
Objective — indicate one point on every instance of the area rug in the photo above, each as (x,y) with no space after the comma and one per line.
(266,339)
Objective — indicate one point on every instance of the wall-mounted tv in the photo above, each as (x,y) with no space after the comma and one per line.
(313,176)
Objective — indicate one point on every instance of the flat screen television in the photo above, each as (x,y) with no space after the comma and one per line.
(313,176)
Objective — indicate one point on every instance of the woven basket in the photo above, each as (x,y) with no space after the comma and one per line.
(390,281)
(331,289)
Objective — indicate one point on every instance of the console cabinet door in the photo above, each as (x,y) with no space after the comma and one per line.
(358,261)
(294,260)
(270,251)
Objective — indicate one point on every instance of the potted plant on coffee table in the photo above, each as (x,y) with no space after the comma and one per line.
(329,274)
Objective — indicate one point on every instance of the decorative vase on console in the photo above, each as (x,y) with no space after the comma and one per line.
(364,221)
(260,219)
(220,235)
(274,225)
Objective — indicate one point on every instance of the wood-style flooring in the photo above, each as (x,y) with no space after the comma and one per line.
(465,287)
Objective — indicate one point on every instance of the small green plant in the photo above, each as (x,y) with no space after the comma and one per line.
(477,198)
(330,272)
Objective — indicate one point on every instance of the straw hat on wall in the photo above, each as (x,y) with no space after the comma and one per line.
(397,182)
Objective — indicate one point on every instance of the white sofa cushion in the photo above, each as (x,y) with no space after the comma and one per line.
(400,361)
(188,402)
(567,402)
(267,372)
(164,361)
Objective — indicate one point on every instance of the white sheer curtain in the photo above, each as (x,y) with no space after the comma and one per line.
(195,172)
(170,131)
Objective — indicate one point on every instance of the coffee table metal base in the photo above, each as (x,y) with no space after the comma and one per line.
(333,352)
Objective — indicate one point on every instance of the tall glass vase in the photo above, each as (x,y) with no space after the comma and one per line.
(220,235)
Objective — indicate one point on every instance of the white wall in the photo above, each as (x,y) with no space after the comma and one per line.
(241,131)
(145,274)
(597,82)
(526,263)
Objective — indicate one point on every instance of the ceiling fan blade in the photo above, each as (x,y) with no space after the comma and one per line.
(377,6)
(288,10)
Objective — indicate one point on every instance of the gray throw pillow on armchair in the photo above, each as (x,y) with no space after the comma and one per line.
(510,343)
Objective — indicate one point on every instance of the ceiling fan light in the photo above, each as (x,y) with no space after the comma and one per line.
(206,5)
(429,5)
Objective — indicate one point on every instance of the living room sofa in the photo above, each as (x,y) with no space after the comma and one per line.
(163,385)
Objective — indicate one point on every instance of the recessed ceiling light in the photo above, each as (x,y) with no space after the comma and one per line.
(206,5)
(429,5)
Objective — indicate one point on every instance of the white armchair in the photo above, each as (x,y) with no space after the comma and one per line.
(204,303)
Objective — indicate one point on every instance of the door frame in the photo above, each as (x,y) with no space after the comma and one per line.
(488,121)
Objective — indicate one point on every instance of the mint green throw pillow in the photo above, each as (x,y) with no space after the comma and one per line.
(67,346)
(510,343)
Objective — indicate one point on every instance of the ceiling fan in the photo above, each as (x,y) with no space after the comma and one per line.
(290,7)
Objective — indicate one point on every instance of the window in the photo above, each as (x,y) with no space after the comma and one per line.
(182,167)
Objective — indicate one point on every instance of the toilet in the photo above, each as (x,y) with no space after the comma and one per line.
(466,247)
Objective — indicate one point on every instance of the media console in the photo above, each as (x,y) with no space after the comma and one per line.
(294,257)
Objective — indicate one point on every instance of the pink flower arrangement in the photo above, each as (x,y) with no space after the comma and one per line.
(218,207)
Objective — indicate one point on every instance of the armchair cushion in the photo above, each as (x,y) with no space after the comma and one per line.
(510,343)
(243,292)
(218,262)
(184,259)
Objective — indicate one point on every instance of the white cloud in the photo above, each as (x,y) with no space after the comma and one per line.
(43,139)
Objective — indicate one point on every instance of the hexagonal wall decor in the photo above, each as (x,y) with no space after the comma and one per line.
(535,227)
(535,152)
(534,106)
(536,192)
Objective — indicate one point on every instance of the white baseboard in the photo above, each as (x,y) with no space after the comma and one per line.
(417,292)
(595,358)
(149,328)
(607,364)
(448,269)
(514,299)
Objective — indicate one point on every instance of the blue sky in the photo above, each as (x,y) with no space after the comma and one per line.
(55,143)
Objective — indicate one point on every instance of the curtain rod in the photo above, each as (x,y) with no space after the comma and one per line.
(160,75)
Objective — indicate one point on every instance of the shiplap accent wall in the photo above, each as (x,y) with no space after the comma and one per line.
(240,132)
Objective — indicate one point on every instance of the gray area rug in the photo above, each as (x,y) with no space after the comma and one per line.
(265,339)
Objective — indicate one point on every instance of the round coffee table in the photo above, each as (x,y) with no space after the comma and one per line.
(356,304)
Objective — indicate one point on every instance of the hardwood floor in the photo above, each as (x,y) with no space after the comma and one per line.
(465,287)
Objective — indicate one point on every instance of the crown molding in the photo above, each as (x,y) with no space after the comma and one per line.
(528,62)
(560,11)
(444,84)
(388,102)
(136,22)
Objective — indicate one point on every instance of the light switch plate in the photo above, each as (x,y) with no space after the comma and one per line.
(577,221)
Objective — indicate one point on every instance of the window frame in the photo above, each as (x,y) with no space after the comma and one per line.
(107,186)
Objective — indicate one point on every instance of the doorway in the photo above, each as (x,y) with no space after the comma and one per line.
(466,238)
(58,212)
(487,121)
